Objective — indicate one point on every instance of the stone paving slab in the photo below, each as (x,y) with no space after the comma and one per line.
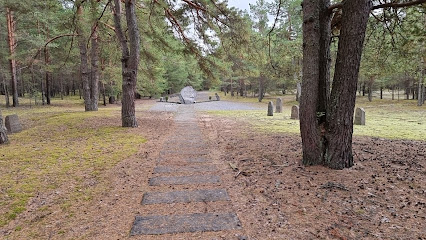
(185,196)
(198,222)
(192,168)
(182,180)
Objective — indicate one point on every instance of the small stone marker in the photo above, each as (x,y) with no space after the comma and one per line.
(198,222)
(111,99)
(161,99)
(294,112)
(217,97)
(270,109)
(185,196)
(182,180)
(279,107)
(13,124)
(188,95)
(360,116)
(3,131)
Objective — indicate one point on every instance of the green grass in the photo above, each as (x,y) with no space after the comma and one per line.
(390,119)
(60,144)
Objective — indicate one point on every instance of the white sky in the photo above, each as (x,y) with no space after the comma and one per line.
(241,4)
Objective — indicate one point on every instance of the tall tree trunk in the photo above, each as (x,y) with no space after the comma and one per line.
(315,81)
(326,119)
(84,69)
(47,74)
(342,99)
(130,60)
(94,88)
(261,87)
(12,62)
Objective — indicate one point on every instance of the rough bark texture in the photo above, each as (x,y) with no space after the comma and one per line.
(309,127)
(261,87)
(130,60)
(84,69)
(48,74)
(94,83)
(3,131)
(12,62)
(342,99)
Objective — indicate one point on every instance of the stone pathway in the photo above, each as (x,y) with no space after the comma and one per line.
(184,164)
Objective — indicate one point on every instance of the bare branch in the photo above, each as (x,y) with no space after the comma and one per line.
(398,5)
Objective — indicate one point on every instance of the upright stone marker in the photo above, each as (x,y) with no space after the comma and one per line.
(3,131)
(217,97)
(270,109)
(161,99)
(13,124)
(294,112)
(188,95)
(298,91)
(360,116)
(279,107)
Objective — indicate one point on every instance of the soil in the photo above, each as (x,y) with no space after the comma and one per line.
(382,197)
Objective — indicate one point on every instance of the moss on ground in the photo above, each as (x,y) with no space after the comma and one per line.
(384,118)
(60,144)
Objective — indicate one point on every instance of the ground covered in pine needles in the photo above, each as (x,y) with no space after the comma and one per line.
(76,175)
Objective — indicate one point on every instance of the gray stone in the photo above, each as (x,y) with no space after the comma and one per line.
(198,222)
(161,99)
(191,168)
(13,124)
(270,109)
(182,180)
(294,112)
(3,131)
(359,116)
(298,91)
(185,196)
(188,95)
(217,97)
(279,107)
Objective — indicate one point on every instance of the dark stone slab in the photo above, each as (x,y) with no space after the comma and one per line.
(13,124)
(185,196)
(198,222)
(182,180)
(192,168)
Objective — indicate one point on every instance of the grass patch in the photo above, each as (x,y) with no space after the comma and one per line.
(60,144)
(384,118)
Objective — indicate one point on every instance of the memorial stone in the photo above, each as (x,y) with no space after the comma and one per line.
(13,124)
(359,116)
(279,107)
(294,112)
(188,95)
(217,97)
(270,109)
(111,100)
(3,131)
(161,99)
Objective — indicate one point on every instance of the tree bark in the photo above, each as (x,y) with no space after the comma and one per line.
(47,74)
(129,61)
(12,62)
(342,99)
(261,87)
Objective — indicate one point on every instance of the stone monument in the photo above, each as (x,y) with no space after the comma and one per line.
(188,95)
(13,124)
(359,116)
(270,109)
(3,131)
(279,107)
(217,97)
(294,112)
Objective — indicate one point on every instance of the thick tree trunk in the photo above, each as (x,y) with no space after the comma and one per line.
(47,75)
(12,62)
(94,88)
(315,81)
(130,60)
(342,99)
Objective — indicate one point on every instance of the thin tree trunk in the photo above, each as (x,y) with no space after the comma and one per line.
(12,62)
(47,74)
(84,69)
(342,99)
(261,87)
(94,88)
(130,60)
